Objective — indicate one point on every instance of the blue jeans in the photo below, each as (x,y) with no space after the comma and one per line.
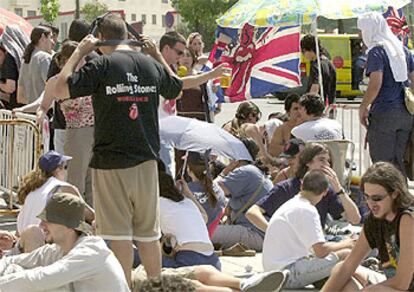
(388,134)
(185,258)
(310,269)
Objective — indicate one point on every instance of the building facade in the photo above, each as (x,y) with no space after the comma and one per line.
(152,13)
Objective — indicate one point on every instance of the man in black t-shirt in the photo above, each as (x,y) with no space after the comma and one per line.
(125,86)
(308,47)
(9,76)
(389,228)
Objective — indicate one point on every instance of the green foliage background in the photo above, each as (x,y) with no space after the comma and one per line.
(49,10)
(201,15)
(93,9)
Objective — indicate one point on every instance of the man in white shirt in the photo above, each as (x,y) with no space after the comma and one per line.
(299,222)
(72,262)
(315,126)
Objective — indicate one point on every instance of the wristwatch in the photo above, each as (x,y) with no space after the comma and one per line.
(341,192)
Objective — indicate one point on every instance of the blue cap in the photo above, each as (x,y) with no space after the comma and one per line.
(49,161)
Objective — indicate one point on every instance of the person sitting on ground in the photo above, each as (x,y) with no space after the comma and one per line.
(315,126)
(314,156)
(389,228)
(291,152)
(283,133)
(244,124)
(73,260)
(37,187)
(295,229)
(183,225)
(205,278)
(208,193)
(244,183)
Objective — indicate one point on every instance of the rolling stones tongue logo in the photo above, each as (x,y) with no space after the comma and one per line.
(133,112)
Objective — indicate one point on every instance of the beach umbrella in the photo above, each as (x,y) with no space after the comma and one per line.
(198,136)
(9,18)
(265,13)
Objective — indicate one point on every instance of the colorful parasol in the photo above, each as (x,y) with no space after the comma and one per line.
(266,13)
(9,18)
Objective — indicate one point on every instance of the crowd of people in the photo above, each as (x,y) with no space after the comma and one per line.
(113,208)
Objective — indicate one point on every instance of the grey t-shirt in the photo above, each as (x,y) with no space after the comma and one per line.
(33,75)
(242,184)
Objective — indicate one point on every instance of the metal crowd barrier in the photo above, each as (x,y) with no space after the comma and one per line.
(348,116)
(22,142)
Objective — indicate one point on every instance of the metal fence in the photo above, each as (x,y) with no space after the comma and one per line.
(348,116)
(22,142)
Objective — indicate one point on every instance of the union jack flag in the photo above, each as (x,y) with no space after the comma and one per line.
(263,60)
(398,23)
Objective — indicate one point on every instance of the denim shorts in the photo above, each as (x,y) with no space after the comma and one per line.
(310,269)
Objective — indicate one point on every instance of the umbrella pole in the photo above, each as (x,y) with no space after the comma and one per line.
(318,59)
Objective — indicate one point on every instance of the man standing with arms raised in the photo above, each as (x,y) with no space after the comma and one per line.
(125,86)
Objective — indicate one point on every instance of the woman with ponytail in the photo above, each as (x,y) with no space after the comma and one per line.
(38,185)
(33,71)
(208,193)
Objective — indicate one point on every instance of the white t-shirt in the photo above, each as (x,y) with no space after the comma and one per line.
(89,266)
(320,129)
(293,229)
(271,126)
(35,203)
(184,221)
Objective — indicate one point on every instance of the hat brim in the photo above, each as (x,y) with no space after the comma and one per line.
(65,158)
(285,155)
(82,227)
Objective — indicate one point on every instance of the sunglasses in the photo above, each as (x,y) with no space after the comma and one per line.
(374,198)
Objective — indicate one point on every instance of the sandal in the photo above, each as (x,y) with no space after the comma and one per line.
(239,250)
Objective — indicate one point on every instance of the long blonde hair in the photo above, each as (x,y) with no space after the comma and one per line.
(32,181)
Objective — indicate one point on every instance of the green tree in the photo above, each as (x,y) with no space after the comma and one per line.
(49,10)
(92,10)
(201,15)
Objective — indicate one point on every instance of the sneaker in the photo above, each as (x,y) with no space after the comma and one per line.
(264,282)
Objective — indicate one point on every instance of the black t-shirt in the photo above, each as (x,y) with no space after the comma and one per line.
(9,70)
(125,88)
(385,236)
(328,77)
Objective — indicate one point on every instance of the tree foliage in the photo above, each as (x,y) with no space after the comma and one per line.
(49,10)
(93,9)
(201,15)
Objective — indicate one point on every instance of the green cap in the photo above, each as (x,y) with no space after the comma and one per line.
(66,209)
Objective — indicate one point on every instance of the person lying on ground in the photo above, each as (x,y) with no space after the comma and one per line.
(389,228)
(295,230)
(72,261)
(183,224)
(337,202)
(205,278)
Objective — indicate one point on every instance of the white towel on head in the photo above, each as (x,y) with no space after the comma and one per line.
(375,31)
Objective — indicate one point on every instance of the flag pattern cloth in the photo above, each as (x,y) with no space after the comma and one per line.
(262,60)
(398,23)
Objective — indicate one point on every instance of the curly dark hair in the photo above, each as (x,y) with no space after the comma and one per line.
(391,179)
(313,103)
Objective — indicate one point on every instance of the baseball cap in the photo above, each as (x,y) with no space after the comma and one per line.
(49,161)
(292,147)
(66,209)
